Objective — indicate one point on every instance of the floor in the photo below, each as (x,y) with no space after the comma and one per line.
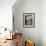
(9,43)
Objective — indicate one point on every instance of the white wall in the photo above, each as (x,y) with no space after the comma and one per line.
(43,22)
(28,6)
(6,13)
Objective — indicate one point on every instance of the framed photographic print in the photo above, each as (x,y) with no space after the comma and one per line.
(29,20)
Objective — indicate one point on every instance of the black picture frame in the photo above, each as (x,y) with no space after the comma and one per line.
(28,20)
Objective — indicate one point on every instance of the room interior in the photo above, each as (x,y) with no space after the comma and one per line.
(14,31)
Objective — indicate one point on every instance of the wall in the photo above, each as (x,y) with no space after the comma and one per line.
(43,22)
(28,6)
(6,13)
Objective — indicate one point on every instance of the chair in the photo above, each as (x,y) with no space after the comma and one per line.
(29,43)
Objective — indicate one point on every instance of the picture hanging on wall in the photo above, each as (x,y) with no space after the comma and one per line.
(29,20)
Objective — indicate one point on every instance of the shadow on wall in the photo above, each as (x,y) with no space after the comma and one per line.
(18,3)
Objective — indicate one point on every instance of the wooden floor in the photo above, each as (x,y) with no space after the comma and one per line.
(9,43)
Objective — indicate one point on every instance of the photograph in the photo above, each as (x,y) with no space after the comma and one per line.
(29,19)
